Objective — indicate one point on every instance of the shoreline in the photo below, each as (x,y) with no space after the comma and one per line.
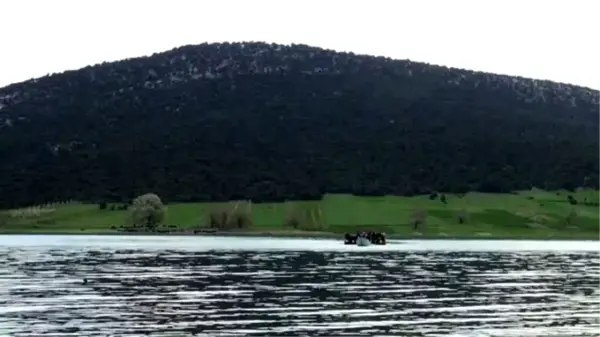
(526,215)
(307,235)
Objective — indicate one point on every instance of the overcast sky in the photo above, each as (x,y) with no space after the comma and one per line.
(546,39)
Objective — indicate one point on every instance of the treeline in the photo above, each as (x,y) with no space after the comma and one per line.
(253,121)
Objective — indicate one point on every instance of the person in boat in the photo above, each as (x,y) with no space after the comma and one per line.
(363,240)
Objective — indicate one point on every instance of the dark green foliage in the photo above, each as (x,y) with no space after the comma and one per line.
(572,200)
(268,122)
(113,207)
(433,196)
(102,205)
(443,199)
(591,203)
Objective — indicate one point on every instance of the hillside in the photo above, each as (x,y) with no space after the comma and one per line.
(272,122)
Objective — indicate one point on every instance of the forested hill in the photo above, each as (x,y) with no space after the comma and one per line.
(265,121)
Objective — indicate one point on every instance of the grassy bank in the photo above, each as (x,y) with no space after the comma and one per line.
(527,214)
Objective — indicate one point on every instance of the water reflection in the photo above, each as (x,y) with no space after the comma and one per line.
(211,293)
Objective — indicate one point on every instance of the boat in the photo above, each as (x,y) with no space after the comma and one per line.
(366,239)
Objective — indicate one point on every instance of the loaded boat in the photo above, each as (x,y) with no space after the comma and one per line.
(365,239)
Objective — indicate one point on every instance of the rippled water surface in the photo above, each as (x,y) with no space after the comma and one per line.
(208,286)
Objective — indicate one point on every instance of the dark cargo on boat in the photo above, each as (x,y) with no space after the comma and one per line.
(375,238)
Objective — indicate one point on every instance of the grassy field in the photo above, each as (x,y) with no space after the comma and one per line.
(526,214)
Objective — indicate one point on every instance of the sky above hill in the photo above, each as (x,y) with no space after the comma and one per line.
(544,39)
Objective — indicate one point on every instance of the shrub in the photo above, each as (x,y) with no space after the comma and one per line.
(147,211)
(304,216)
(292,221)
(217,218)
(462,216)
(419,219)
(572,219)
(234,215)
(241,215)
(291,217)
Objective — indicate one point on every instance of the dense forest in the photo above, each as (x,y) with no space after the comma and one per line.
(271,122)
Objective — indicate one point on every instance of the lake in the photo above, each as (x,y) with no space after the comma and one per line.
(234,286)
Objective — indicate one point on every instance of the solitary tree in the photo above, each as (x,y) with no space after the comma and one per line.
(147,211)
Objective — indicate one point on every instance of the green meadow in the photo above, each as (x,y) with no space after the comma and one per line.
(525,214)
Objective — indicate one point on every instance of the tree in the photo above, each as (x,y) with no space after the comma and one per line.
(147,211)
